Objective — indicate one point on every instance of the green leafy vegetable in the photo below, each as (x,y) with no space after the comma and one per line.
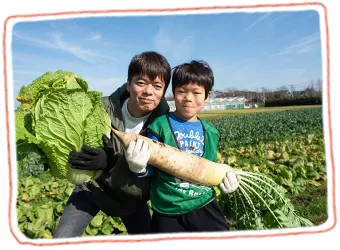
(259,203)
(65,115)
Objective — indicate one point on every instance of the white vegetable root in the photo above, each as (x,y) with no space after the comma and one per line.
(176,162)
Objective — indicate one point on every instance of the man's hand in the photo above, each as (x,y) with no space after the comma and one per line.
(230,183)
(93,158)
(137,155)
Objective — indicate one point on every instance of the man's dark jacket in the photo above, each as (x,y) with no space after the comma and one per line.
(120,191)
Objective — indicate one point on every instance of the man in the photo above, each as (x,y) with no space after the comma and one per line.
(120,193)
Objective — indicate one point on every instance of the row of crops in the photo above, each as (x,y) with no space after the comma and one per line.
(241,130)
(288,146)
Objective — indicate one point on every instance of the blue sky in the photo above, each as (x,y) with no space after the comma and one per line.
(245,50)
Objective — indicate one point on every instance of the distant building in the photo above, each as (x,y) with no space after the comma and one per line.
(300,93)
(219,103)
(278,94)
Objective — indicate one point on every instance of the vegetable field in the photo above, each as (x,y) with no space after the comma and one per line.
(287,146)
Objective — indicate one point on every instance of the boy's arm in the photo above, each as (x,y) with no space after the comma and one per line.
(149,169)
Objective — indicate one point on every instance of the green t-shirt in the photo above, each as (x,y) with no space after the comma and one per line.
(171,195)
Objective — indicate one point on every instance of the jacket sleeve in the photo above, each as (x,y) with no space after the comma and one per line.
(121,180)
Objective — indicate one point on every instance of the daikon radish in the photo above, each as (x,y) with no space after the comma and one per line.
(178,163)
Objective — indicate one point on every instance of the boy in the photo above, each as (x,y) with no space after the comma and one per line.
(132,107)
(180,206)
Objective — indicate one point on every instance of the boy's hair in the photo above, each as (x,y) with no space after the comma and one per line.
(151,64)
(198,72)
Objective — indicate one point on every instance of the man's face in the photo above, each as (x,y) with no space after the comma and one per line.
(189,100)
(145,95)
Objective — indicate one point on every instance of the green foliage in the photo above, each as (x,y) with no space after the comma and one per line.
(49,80)
(284,149)
(251,129)
(62,116)
(31,165)
(23,125)
(314,100)
(25,95)
(24,149)
(40,204)
(41,201)
(312,203)
(290,163)
(260,203)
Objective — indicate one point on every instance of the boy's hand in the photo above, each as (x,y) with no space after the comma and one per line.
(137,155)
(230,183)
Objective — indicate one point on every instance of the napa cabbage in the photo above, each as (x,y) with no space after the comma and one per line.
(63,115)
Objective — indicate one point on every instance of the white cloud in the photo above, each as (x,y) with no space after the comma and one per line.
(257,21)
(305,49)
(94,36)
(32,40)
(171,43)
(277,17)
(76,50)
(22,64)
(55,41)
(303,45)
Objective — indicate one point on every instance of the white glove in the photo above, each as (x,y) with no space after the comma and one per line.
(230,183)
(137,155)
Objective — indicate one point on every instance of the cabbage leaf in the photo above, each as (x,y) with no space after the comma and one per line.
(65,116)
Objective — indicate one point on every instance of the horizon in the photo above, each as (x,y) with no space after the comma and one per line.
(246,50)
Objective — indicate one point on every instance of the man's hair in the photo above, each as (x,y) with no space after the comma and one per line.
(151,64)
(198,72)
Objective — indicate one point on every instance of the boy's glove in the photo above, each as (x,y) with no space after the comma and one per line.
(230,183)
(137,155)
(93,158)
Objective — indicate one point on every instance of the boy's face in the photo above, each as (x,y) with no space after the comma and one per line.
(189,100)
(145,95)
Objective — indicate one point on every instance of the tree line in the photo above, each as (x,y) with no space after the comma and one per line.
(285,95)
